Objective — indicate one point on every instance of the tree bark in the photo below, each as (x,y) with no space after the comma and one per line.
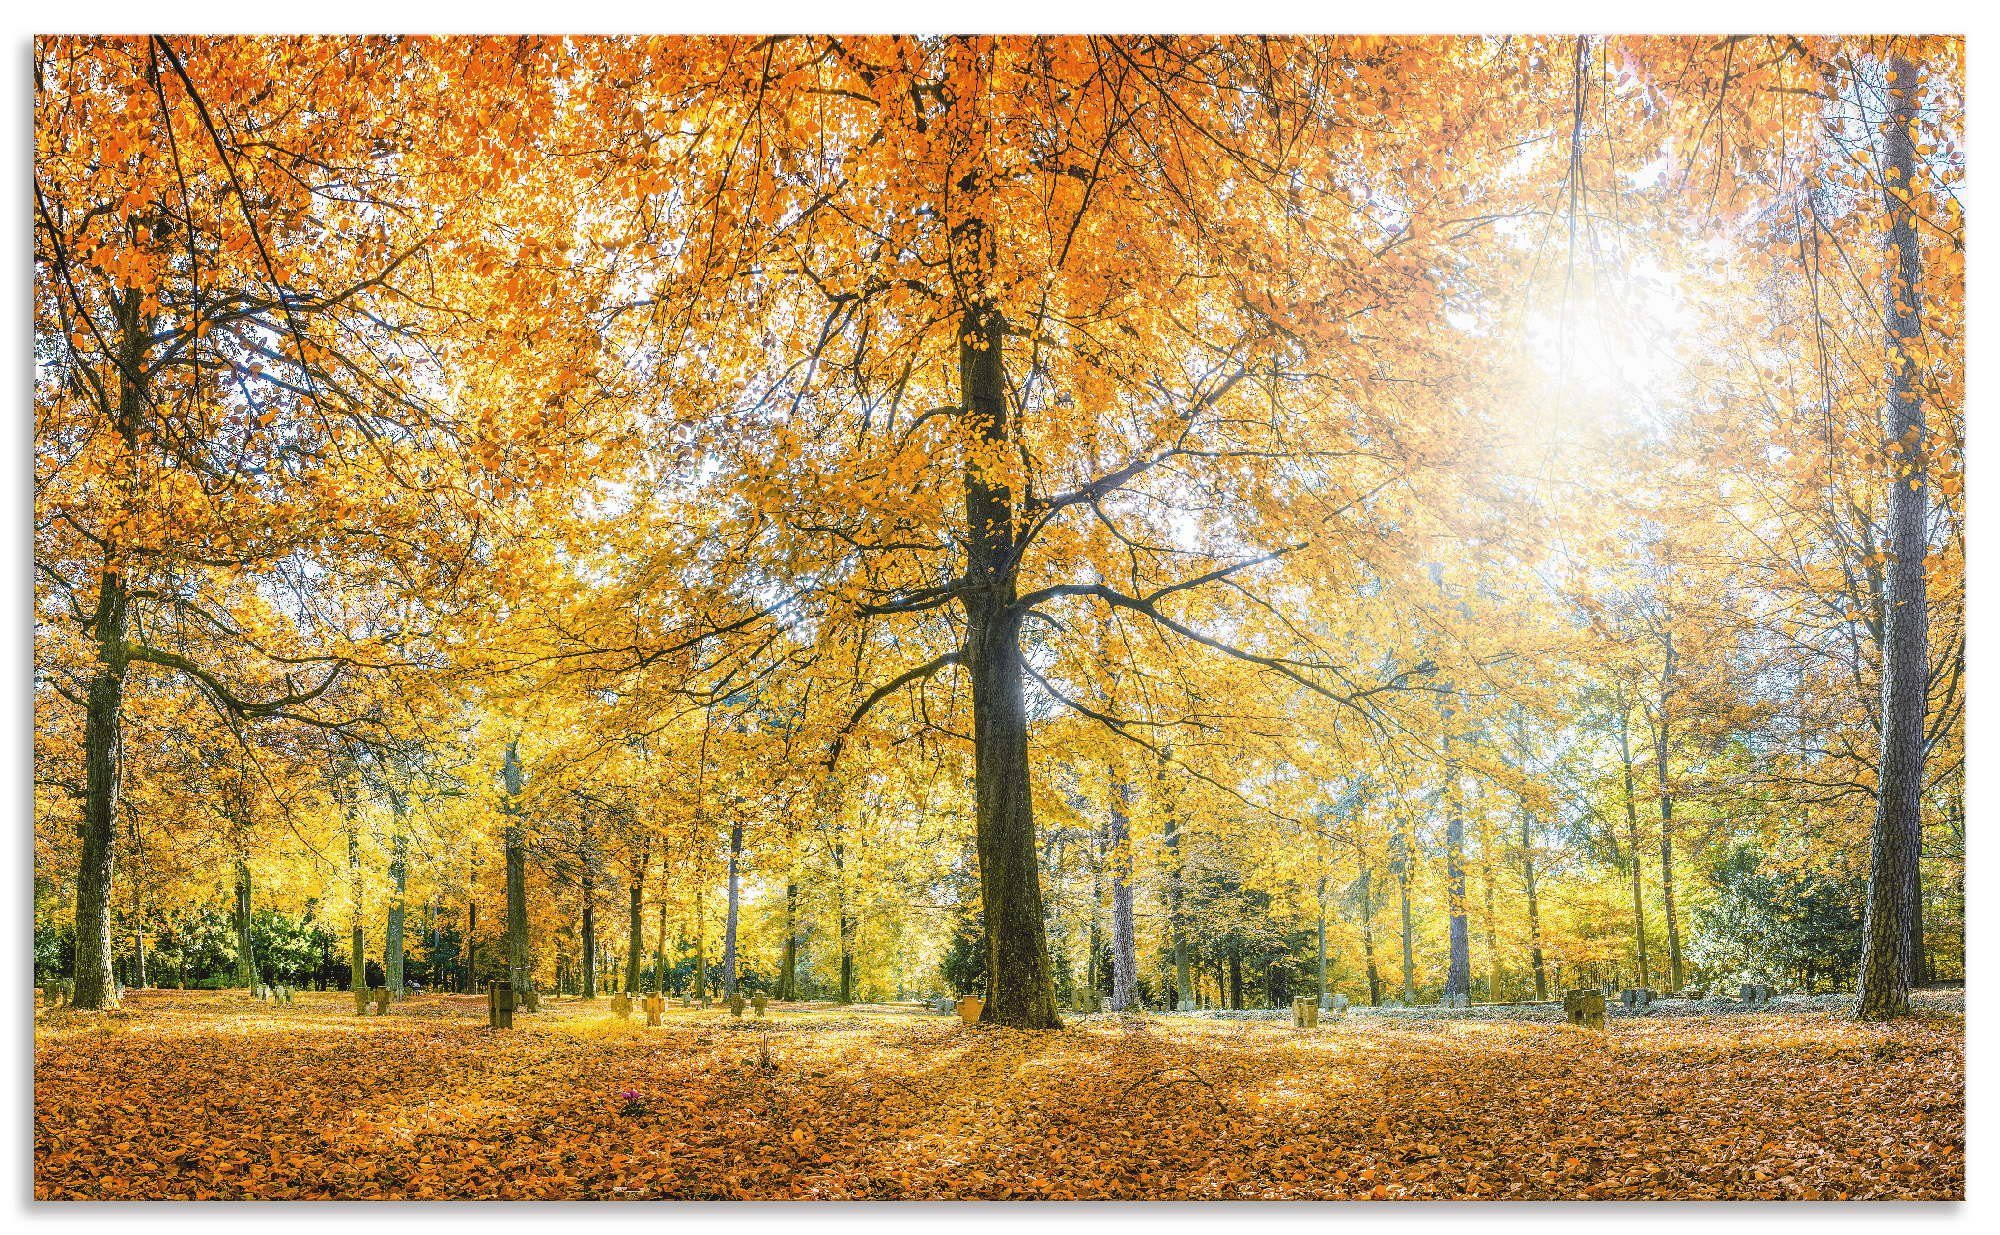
(246,962)
(1020,984)
(96,987)
(589,967)
(1535,957)
(1632,823)
(1893,888)
(1676,976)
(1368,935)
(729,922)
(1401,841)
(1124,935)
(399,867)
(1176,896)
(635,926)
(516,854)
(1458,974)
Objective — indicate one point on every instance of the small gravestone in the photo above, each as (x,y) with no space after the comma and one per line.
(499,1005)
(381,995)
(736,1005)
(1638,998)
(1584,1007)
(360,1001)
(1455,999)
(758,1001)
(529,1000)
(1091,1000)
(1757,994)
(1185,1005)
(621,1006)
(1305,1012)
(654,1005)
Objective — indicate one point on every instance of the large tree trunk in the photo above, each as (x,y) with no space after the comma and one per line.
(1632,823)
(104,705)
(1020,985)
(246,960)
(735,909)
(96,987)
(516,852)
(1893,889)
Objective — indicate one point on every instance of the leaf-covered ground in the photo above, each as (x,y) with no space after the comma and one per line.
(202,1095)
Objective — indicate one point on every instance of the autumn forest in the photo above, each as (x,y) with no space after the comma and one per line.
(951,617)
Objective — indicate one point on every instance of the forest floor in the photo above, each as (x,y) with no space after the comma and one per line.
(216,1095)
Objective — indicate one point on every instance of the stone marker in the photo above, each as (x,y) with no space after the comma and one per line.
(969,1008)
(1305,1012)
(654,1005)
(758,1001)
(530,1000)
(1584,1007)
(1637,999)
(736,1005)
(381,1001)
(621,1006)
(1458,1000)
(499,1005)
(1757,994)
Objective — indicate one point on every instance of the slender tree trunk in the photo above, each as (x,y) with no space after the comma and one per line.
(399,868)
(246,960)
(1368,935)
(660,953)
(788,962)
(516,852)
(1402,844)
(729,923)
(1176,897)
(1321,900)
(1235,980)
(700,935)
(1458,975)
(1676,976)
(357,943)
(471,946)
(1494,977)
(1632,823)
(635,927)
(588,973)
(1124,935)
(1893,880)
(1535,957)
